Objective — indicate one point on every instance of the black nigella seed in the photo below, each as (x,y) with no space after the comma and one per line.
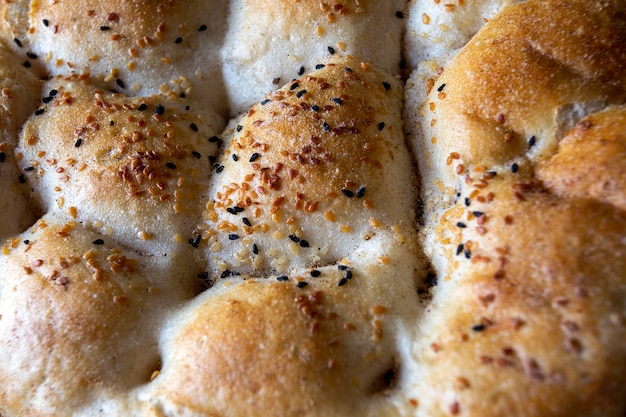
(17,42)
(347,69)
(347,193)
(203,275)
(219,168)
(31,55)
(202,28)
(282,278)
(315,108)
(342,282)
(255,249)
(193,127)
(195,242)
(254,157)
(226,274)
(302,284)
(326,127)
(467,202)
(399,15)
(477,213)
(235,157)
(196,154)
(98,242)
(39,112)
(360,192)
(53,93)
(119,83)
(514,168)
(183,95)
(348,274)
(45,22)
(319,66)
(26,241)
(294,86)
(478,327)
(531,141)
(159,109)
(170,165)
(331,50)
(300,93)
(178,40)
(47,100)
(233,236)
(461,225)
(28,169)
(386,85)
(246,221)
(142,107)
(337,100)
(294,238)
(105,28)
(239,127)
(441,87)
(343,267)
(467,253)
(315,273)
(3,157)
(459,249)
(265,101)
(381,125)
(78,143)
(304,244)
(26,64)
(300,70)
(22,179)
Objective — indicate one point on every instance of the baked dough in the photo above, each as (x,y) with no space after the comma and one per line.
(298,208)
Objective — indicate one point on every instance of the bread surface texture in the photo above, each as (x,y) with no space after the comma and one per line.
(303,208)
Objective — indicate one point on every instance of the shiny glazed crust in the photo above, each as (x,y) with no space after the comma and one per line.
(302,208)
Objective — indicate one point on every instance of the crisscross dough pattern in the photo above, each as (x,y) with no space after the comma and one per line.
(299,208)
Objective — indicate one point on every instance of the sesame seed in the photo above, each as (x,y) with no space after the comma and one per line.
(478,327)
(302,284)
(159,109)
(98,242)
(170,165)
(254,157)
(195,242)
(193,127)
(347,192)
(282,278)
(142,107)
(78,143)
(315,273)
(233,236)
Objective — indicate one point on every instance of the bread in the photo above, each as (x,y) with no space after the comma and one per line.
(312,209)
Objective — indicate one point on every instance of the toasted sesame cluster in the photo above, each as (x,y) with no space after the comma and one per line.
(313,208)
